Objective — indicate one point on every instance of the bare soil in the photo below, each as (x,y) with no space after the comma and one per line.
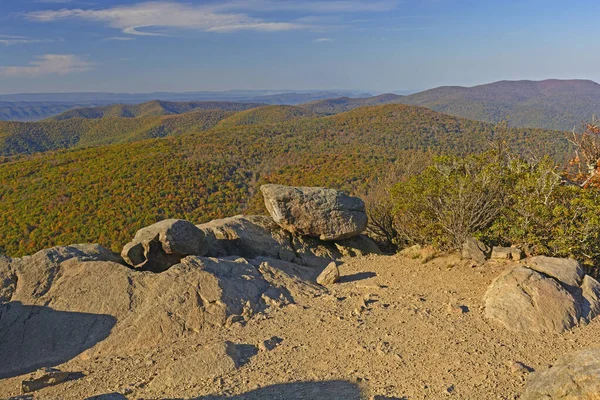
(394,328)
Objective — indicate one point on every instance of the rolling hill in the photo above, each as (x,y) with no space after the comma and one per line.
(550,104)
(106,193)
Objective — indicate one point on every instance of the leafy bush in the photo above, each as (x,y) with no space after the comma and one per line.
(503,199)
(452,199)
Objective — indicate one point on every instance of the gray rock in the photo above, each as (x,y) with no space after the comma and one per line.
(573,376)
(324,213)
(360,245)
(159,246)
(565,270)
(524,300)
(590,293)
(330,275)
(42,378)
(475,250)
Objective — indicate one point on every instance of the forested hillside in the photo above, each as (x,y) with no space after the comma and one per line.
(551,104)
(106,193)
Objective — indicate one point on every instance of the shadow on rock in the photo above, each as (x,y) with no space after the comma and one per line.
(357,277)
(330,390)
(32,337)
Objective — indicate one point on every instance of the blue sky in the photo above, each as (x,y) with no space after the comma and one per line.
(377,45)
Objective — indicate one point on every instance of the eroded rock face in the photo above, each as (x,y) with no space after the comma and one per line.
(319,212)
(573,376)
(524,300)
(161,245)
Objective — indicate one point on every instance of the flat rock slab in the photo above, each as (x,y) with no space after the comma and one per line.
(324,213)
(573,376)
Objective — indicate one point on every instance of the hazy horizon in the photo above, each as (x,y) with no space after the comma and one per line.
(128,46)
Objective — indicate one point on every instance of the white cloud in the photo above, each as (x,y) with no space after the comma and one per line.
(149,15)
(9,40)
(48,64)
(119,38)
(323,39)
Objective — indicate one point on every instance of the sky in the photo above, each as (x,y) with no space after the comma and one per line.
(377,45)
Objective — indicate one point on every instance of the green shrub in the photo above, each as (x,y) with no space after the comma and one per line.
(502,199)
(452,199)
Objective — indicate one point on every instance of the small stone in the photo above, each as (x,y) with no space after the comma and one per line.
(330,275)
(269,344)
(517,367)
(42,378)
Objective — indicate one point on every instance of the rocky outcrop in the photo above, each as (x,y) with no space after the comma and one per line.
(319,212)
(42,378)
(573,376)
(59,308)
(259,236)
(161,245)
(544,296)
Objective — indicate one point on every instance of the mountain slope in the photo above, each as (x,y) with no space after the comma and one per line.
(31,111)
(151,109)
(106,193)
(342,104)
(549,104)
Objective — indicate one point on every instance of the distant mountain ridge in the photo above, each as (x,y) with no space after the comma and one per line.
(342,104)
(38,106)
(549,104)
(151,109)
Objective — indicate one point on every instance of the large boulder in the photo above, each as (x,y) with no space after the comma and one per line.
(524,300)
(311,211)
(159,246)
(573,376)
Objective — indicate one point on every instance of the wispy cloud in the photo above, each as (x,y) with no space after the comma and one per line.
(120,38)
(143,19)
(49,64)
(323,39)
(9,40)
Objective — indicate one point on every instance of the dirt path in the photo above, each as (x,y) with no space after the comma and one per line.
(394,328)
